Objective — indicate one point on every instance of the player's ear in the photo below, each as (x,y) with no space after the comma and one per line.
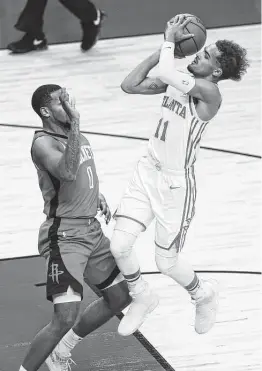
(44,111)
(217,72)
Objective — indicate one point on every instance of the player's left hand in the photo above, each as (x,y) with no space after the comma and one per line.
(174,31)
(69,105)
(104,208)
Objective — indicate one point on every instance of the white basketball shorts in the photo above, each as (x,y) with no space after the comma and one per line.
(166,195)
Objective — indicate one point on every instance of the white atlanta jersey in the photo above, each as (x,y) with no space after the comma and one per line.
(163,185)
(176,139)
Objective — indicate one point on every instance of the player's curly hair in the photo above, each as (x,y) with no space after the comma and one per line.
(42,96)
(233,60)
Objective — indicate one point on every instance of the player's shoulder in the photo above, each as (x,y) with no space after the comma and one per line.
(208,85)
(44,141)
(208,89)
(43,144)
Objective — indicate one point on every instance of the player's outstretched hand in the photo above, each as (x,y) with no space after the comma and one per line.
(69,106)
(104,208)
(175,29)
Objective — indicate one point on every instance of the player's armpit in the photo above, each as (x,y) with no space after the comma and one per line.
(148,86)
(47,154)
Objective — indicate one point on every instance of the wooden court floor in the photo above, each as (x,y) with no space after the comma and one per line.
(225,237)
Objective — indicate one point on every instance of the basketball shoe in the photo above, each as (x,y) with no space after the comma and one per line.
(91,31)
(58,362)
(206,302)
(144,302)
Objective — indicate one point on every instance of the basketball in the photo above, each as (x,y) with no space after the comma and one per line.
(194,44)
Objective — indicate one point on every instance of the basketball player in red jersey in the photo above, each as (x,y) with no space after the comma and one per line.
(71,238)
(163,185)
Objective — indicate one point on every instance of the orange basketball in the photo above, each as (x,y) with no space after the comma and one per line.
(194,44)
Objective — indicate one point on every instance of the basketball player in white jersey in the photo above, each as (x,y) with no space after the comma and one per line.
(163,185)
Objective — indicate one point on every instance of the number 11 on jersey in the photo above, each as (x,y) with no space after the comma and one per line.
(161,129)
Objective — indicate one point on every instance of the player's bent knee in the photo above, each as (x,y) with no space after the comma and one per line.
(117,296)
(121,243)
(64,316)
(166,264)
(128,225)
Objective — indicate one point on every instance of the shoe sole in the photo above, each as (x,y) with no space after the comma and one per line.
(150,310)
(13,51)
(21,51)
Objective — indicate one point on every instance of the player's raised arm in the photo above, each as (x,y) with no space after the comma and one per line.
(168,72)
(189,84)
(138,81)
(61,162)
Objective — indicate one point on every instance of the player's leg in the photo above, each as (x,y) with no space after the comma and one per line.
(123,239)
(203,293)
(64,288)
(104,276)
(144,300)
(66,302)
(30,22)
(63,319)
(173,216)
(171,227)
(133,215)
(114,299)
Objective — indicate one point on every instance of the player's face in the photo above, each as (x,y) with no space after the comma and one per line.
(205,62)
(56,110)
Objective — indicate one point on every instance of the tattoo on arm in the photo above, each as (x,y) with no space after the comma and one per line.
(153,86)
(72,151)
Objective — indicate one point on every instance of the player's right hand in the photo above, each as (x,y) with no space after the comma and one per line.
(174,31)
(68,104)
(104,208)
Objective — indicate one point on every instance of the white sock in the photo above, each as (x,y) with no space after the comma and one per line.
(69,341)
(22,368)
(127,261)
(181,272)
(137,286)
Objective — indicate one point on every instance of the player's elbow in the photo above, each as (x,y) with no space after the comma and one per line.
(127,88)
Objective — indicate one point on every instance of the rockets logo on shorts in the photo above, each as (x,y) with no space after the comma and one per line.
(55,273)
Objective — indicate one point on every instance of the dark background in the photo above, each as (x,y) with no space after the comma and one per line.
(130,17)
